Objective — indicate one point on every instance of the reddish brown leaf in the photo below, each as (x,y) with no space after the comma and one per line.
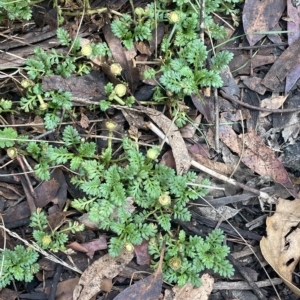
(261,16)
(168,160)
(105,267)
(7,294)
(46,192)
(282,66)
(57,219)
(180,153)
(142,254)
(95,245)
(257,156)
(147,289)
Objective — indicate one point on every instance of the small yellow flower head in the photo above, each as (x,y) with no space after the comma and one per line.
(153,153)
(43,106)
(116,69)
(128,247)
(164,199)
(174,17)
(25,83)
(110,125)
(175,263)
(46,240)
(120,89)
(139,11)
(12,153)
(86,50)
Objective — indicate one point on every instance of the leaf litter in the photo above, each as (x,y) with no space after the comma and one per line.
(243,152)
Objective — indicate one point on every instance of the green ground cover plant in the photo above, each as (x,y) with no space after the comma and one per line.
(132,197)
(18,264)
(137,202)
(53,63)
(53,239)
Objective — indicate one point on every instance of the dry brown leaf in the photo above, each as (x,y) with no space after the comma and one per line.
(189,130)
(84,121)
(214,213)
(147,289)
(105,267)
(281,246)
(257,156)
(180,153)
(254,83)
(282,66)
(38,124)
(188,292)
(261,16)
(7,294)
(273,102)
(219,167)
(64,289)
(46,192)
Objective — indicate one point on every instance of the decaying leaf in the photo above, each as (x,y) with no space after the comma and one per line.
(188,292)
(282,66)
(148,288)
(214,213)
(142,255)
(257,156)
(89,248)
(273,102)
(180,153)
(281,246)
(46,192)
(261,17)
(105,267)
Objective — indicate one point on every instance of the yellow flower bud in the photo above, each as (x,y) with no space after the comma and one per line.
(43,106)
(86,50)
(110,125)
(175,263)
(116,69)
(46,240)
(164,199)
(153,153)
(120,89)
(174,17)
(139,11)
(128,247)
(25,83)
(12,153)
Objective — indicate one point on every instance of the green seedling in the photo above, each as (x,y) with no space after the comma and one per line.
(18,264)
(115,94)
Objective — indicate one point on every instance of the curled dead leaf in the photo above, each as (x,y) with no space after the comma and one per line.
(281,246)
(92,278)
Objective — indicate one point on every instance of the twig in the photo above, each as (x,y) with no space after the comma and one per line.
(286,110)
(249,280)
(217,120)
(55,282)
(245,286)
